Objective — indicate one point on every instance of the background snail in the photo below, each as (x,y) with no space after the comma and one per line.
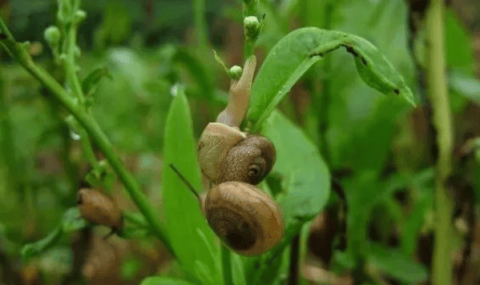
(100,208)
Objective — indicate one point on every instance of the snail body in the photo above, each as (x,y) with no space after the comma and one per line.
(244,218)
(99,208)
(215,142)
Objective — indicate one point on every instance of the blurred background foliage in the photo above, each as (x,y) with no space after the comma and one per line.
(383,152)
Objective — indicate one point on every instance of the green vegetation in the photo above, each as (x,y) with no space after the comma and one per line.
(108,94)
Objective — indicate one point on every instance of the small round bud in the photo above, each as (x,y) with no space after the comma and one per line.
(252,27)
(80,15)
(52,36)
(235,72)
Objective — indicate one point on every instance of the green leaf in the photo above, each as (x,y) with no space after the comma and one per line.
(37,247)
(192,239)
(299,50)
(305,175)
(466,85)
(458,43)
(90,83)
(160,280)
(397,265)
(72,221)
(305,183)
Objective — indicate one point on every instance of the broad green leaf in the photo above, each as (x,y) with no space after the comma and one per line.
(305,175)
(305,183)
(299,50)
(192,240)
(90,83)
(397,265)
(160,280)
(37,247)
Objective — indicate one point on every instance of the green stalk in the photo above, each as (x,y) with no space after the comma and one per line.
(200,23)
(20,53)
(437,91)
(227,266)
(69,64)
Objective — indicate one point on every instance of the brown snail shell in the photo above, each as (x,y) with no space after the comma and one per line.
(215,142)
(227,154)
(246,219)
(99,208)
(248,161)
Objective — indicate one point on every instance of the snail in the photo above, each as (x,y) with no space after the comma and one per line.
(245,219)
(99,208)
(227,154)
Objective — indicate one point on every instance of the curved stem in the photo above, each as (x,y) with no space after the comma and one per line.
(437,89)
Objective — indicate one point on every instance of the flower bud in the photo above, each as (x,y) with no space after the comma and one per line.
(235,72)
(252,27)
(52,36)
(80,15)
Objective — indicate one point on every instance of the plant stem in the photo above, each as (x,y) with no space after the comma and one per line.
(5,30)
(69,64)
(437,89)
(19,52)
(200,23)
(227,266)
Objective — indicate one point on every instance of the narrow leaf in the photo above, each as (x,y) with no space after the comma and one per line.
(186,226)
(299,50)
